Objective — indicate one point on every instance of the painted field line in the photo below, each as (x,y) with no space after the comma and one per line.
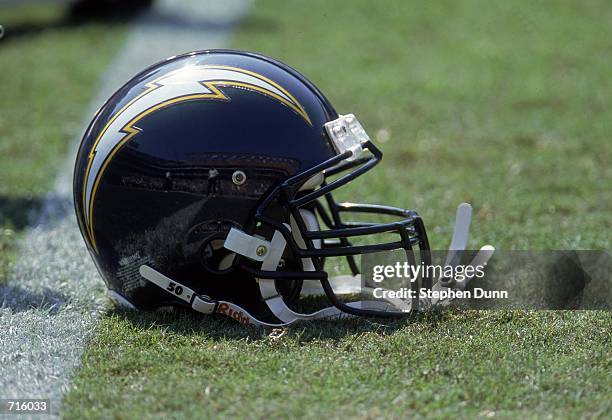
(54,297)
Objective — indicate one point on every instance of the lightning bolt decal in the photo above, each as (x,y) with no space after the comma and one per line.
(192,82)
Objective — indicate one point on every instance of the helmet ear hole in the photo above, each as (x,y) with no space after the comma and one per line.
(227,261)
(215,259)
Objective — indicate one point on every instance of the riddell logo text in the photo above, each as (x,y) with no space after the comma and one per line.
(239,316)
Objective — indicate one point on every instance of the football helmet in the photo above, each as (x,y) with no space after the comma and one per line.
(204,182)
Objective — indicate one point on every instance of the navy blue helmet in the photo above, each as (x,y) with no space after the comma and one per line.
(207,182)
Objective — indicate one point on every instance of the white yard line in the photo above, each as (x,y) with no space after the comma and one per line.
(54,297)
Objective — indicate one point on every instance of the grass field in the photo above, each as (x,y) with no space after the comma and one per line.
(48,75)
(506,106)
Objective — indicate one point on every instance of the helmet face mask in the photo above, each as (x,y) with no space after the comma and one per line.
(314,244)
(207,182)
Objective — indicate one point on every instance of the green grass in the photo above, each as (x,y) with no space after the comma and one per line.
(460,364)
(506,106)
(49,72)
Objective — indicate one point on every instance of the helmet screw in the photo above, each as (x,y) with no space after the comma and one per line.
(238,177)
(261,250)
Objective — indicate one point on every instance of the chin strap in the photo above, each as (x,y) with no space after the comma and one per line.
(205,305)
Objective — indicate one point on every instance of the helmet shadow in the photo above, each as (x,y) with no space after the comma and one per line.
(19,299)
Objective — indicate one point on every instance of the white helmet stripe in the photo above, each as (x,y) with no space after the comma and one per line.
(191,82)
